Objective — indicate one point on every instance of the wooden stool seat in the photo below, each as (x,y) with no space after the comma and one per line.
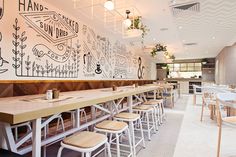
(85,139)
(153,102)
(143,107)
(126,115)
(7,153)
(231,119)
(111,125)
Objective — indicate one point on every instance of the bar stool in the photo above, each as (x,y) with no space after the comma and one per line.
(82,114)
(156,107)
(132,118)
(85,142)
(161,109)
(145,111)
(117,128)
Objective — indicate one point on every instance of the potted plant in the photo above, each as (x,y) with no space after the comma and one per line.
(138,25)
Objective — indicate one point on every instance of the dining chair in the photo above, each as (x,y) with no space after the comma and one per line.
(225,100)
(209,99)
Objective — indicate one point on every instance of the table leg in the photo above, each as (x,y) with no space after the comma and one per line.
(77,118)
(36,149)
(3,143)
(130,103)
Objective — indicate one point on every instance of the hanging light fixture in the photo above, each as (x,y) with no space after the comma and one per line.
(127,22)
(109,5)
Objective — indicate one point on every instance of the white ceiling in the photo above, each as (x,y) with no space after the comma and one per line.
(213,28)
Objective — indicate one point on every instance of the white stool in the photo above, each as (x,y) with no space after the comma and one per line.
(145,111)
(82,114)
(85,142)
(161,108)
(132,118)
(117,128)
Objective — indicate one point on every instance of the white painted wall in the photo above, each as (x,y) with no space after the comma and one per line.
(116,57)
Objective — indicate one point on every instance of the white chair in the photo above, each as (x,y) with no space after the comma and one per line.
(86,143)
(209,98)
(225,100)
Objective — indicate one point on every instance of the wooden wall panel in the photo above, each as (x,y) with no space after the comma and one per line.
(20,88)
(6,90)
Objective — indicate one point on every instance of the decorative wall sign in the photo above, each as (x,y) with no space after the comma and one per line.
(1,8)
(50,25)
(41,50)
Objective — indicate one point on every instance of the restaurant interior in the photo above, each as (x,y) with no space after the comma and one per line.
(117,78)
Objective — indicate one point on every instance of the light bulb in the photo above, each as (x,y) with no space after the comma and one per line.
(127,22)
(109,5)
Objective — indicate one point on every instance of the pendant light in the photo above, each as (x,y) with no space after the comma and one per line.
(127,22)
(109,5)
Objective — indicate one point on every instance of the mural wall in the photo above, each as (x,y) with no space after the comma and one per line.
(38,41)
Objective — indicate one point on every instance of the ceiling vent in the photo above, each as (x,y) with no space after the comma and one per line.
(190,44)
(179,9)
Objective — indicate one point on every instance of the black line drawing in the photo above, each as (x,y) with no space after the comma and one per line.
(50,26)
(140,68)
(2,61)
(1,8)
(40,50)
(88,57)
(98,70)
(26,67)
(16,43)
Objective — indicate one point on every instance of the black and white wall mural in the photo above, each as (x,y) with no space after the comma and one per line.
(38,41)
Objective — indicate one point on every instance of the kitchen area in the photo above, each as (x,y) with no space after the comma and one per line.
(186,73)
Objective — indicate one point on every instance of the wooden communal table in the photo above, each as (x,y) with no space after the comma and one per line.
(32,108)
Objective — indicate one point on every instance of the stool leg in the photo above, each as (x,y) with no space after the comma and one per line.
(59,151)
(117,145)
(130,143)
(148,127)
(141,130)
(155,118)
(82,154)
(160,113)
(155,127)
(133,137)
(108,149)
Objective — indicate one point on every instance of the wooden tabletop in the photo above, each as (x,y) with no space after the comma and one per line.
(15,110)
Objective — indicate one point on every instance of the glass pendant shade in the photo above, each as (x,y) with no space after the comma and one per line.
(109,5)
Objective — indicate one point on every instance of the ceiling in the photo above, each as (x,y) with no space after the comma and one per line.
(210,29)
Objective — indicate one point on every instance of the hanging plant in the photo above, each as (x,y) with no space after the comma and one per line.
(158,48)
(161,48)
(137,24)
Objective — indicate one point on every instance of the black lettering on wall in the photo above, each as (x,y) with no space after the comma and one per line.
(30,5)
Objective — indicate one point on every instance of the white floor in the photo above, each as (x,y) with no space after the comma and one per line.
(182,135)
(199,139)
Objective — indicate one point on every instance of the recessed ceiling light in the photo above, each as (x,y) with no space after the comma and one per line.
(180,27)
(213,37)
(154,39)
(183,41)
